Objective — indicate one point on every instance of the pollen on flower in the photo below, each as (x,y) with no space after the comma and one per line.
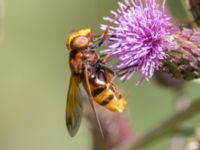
(138,38)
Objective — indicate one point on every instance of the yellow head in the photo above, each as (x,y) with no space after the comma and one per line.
(80,39)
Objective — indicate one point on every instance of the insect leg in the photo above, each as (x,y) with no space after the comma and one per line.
(96,38)
(105,58)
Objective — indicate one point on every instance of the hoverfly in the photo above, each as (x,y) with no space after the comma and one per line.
(88,68)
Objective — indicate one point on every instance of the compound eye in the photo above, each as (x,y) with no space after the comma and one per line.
(80,42)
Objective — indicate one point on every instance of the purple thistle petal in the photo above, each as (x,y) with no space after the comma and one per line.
(140,37)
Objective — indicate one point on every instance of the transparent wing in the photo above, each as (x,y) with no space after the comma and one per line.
(74,108)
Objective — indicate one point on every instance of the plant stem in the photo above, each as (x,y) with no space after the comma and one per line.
(166,127)
(181,102)
(190,17)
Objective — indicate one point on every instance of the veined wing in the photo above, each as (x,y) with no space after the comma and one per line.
(74,108)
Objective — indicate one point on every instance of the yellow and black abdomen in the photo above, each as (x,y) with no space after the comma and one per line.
(109,98)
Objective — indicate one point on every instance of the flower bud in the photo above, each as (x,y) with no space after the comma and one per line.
(183,61)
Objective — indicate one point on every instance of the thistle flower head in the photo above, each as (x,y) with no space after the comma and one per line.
(139,37)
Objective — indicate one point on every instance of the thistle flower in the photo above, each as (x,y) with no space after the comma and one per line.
(139,38)
(183,61)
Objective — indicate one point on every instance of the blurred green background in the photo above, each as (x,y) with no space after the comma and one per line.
(34,76)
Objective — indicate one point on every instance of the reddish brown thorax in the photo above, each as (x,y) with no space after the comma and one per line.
(78,43)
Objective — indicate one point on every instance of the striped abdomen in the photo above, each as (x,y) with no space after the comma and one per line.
(109,97)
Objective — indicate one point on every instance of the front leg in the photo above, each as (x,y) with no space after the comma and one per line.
(100,38)
(97,38)
(91,48)
(105,58)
